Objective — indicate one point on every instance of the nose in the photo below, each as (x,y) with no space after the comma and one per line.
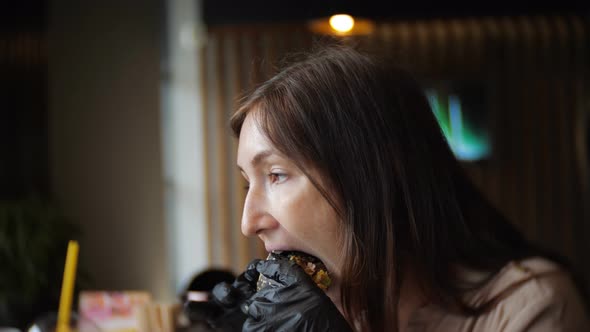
(256,217)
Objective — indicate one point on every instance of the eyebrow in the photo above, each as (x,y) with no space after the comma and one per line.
(258,158)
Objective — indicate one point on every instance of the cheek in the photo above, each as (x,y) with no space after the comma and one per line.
(306,215)
(326,220)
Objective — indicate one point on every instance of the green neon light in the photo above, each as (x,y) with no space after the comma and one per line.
(466,141)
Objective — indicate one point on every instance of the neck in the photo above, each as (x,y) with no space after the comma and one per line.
(334,291)
(334,294)
(411,299)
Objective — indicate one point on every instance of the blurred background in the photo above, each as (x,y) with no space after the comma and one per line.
(114,125)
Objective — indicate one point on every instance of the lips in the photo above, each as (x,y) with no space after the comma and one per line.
(270,249)
(312,266)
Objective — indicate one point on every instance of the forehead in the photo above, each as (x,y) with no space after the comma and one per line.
(252,140)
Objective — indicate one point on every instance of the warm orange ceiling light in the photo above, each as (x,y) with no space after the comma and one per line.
(341,25)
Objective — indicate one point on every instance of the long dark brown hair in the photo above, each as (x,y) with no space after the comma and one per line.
(401,195)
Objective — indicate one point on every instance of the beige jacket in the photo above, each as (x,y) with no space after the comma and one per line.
(532,295)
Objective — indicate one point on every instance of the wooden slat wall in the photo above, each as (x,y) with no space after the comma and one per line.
(535,72)
(235,59)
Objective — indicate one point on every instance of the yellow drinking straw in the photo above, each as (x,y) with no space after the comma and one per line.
(67,288)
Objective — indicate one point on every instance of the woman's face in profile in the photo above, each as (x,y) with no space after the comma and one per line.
(282,207)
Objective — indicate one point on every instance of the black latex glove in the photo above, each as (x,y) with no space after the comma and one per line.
(226,306)
(291,303)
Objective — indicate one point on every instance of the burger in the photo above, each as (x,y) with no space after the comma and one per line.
(312,266)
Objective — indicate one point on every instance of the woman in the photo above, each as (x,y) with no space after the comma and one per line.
(345,161)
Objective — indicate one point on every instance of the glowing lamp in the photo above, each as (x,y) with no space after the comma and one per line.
(342,23)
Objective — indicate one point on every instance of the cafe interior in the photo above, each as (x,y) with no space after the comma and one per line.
(115,128)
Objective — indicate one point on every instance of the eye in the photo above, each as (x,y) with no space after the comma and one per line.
(277,177)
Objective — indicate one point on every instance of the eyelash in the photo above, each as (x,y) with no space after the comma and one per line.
(276,176)
(270,175)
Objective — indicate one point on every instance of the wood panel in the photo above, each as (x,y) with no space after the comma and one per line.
(235,59)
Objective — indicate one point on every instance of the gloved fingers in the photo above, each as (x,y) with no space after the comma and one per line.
(293,308)
(245,283)
(224,294)
(251,269)
(280,310)
(285,272)
(250,275)
(260,308)
(251,325)
(201,311)
(245,289)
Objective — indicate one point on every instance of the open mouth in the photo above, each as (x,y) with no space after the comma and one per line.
(312,266)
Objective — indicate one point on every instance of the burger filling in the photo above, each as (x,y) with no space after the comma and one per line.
(312,266)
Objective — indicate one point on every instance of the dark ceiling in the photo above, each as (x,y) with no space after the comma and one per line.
(32,12)
(236,11)
(28,15)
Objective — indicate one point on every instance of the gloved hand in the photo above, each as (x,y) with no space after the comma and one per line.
(291,303)
(225,308)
